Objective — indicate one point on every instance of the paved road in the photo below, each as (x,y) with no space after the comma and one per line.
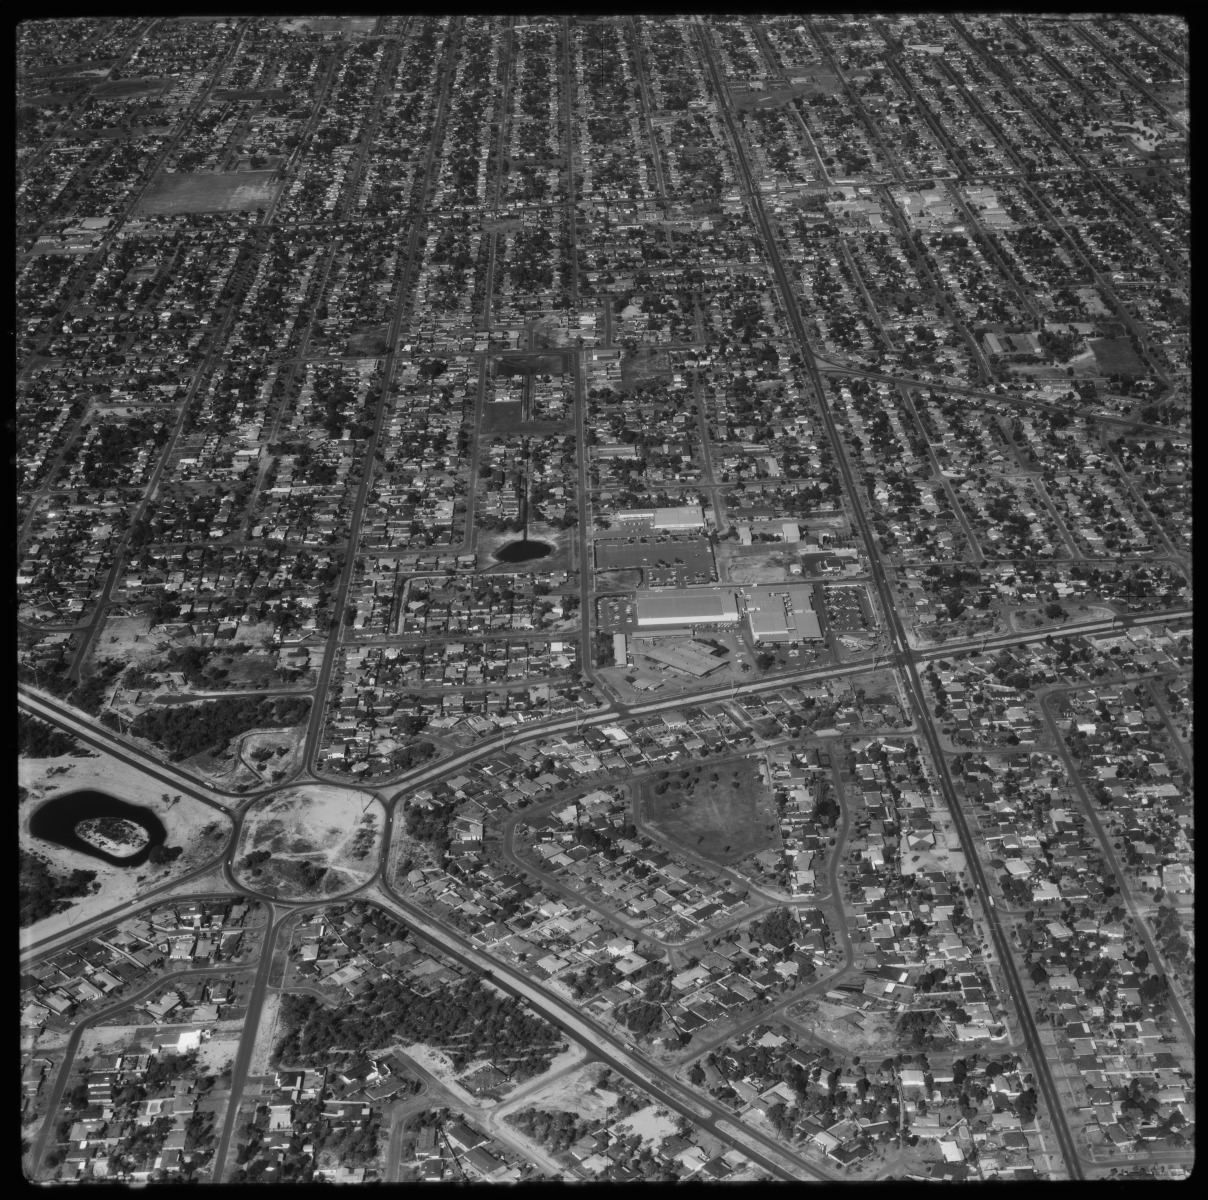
(53,1115)
(247,1041)
(1156,958)
(903,657)
(331,653)
(759,1147)
(78,725)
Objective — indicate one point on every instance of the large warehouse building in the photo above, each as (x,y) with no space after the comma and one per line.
(672,520)
(681,609)
(782,612)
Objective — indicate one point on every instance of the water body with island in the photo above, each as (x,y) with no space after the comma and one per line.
(523,551)
(57,821)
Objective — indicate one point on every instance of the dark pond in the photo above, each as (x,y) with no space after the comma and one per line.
(57,819)
(522,551)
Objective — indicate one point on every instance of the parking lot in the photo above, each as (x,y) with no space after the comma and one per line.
(666,562)
(847,608)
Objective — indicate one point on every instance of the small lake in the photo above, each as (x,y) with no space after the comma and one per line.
(57,819)
(523,551)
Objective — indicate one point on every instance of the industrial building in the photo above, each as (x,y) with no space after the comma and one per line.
(680,609)
(782,612)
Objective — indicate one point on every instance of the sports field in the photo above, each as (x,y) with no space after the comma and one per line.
(209,192)
(519,362)
(722,811)
(1116,355)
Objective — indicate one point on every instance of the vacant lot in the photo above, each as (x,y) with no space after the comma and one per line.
(756,564)
(1116,355)
(642,364)
(722,811)
(209,192)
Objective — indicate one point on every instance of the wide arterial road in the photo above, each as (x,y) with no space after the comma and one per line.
(904,660)
(760,1148)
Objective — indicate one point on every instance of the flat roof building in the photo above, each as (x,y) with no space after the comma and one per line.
(687,516)
(690,657)
(683,607)
(782,613)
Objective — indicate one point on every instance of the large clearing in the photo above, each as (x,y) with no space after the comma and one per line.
(209,192)
(722,811)
(1116,355)
(322,841)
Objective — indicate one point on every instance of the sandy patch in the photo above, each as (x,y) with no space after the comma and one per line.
(197,827)
(131,638)
(310,829)
(111,1039)
(563,1089)
(439,1066)
(651,1124)
(869,1033)
(214,1056)
(266,1034)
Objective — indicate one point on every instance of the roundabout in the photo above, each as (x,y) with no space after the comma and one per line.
(310,842)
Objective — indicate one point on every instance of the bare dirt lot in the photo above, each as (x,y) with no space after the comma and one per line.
(750,564)
(320,841)
(855,1032)
(209,192)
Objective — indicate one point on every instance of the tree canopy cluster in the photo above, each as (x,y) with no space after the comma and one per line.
(37,739)
(188,729)
(41,893)
(467,1022)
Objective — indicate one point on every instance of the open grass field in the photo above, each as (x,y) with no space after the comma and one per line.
(722,811)
(368,343)
(251,94)
(115,89)
(209,192)
(1117,355)
(646,362)
(341,24)
(503,416)
(502,225)
(773,97)
(522,363)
